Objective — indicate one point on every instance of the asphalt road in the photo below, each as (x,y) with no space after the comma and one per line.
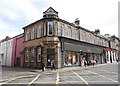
(105,75)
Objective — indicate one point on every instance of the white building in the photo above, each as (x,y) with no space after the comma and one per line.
(6,52)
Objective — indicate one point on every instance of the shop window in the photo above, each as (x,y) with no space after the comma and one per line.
(26,55)
(70,59)
(50,28)
(32,55)
(39,54)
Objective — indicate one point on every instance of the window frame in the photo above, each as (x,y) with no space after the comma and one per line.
(48,28)
(39,60)
(32,54)
(26,55)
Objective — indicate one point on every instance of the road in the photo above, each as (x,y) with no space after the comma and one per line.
(104,75)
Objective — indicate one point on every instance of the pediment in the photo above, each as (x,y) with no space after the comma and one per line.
(50,10)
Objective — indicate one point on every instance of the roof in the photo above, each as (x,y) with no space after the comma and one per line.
(51,9)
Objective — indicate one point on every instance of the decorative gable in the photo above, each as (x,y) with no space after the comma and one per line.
(50,12)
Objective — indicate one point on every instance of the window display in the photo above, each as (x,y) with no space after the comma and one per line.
(70,59)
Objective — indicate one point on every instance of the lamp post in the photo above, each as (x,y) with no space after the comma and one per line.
(80,57)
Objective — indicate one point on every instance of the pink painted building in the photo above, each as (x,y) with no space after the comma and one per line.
(17,51)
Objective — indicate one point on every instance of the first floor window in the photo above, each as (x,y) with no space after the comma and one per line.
(32,55)
(39,54)
(50,28)
(62,30)
(26,55)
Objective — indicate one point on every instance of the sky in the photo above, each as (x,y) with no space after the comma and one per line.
(93,14)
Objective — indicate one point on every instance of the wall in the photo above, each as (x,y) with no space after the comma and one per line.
(17,48)
(6,50)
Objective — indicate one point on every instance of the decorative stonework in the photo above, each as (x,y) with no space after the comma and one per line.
(50,13)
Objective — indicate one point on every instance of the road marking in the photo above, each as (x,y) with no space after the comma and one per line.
(57,81)
(108,71)
(103,76)
(16,83)
(11,79)
(80,77)
(17,77)
(8,81)
(34,79)
(45,82)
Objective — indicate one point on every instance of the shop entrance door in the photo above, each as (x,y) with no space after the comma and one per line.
(18,62)
(50,56)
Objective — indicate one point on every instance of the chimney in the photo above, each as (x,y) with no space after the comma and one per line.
(77,22)
(107,35)
(97,31)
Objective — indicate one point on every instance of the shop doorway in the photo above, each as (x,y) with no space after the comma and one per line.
(50,56)
(18,62)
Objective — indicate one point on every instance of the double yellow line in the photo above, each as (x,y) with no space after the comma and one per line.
(11,79)
(80,77)
(57,81)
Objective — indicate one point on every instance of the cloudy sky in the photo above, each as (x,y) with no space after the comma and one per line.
(93,14)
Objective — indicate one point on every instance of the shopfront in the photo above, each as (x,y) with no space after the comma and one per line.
(71,52)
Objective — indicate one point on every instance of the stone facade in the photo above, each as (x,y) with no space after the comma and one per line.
(47,39)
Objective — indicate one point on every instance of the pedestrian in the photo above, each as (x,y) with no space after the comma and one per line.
(94,62)
(85,63)
(53,65)
(42,66)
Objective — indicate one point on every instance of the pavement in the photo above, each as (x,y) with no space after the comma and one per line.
(65,69)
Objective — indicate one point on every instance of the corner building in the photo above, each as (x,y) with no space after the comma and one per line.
(52,38)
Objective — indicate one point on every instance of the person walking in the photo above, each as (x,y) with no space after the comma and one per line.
(42,66)
(85,63)
(53,65)
(94,62)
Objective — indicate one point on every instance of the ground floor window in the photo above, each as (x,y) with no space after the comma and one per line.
(39,54)
(32,54)
(70,58)
(26,55)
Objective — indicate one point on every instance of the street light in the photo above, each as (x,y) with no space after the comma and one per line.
(80,57)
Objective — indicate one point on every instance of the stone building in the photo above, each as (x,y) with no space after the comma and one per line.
(52,38)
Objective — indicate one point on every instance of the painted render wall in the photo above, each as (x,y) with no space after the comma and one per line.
(6,51)
(17,48)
